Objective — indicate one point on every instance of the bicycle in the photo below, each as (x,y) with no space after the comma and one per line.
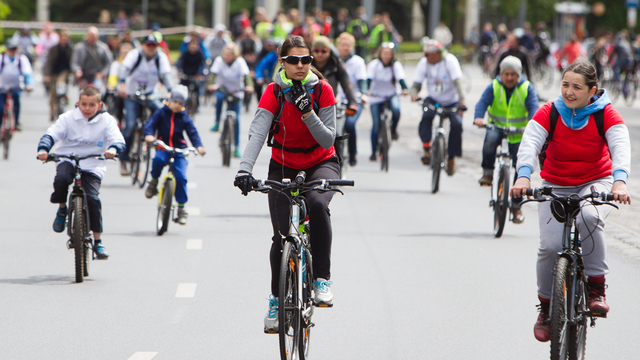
(384,135)
(295,295)
(439,144)
(61,98)
(501,184)
(194,93)
(166,210)
(78,217)
(228,126)
(140,153)
(630,84)
(8,122)
(569,294)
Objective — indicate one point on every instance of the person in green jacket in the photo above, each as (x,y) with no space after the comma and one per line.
(360,31)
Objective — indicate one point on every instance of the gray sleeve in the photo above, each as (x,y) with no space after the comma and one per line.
(258,131)
(166,80)
(458,84)
(78,52)
(323,126)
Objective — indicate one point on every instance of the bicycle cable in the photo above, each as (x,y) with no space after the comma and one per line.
(590,232)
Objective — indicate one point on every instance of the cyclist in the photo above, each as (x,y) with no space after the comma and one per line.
(12,67)
(91,60)
(301,128)
(357,71)
(514,48)
(87,129)
(112,82)
(331,68)
(231,72)
(442,71)
(56,69)
(170,122)
(580,154)
(192,64)
(359,29)
(267,63)
(26,43)
(139,73)
(622,54)
(542,43)
(511,101)
(385,79)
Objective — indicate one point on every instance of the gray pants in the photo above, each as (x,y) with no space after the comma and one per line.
(590,224)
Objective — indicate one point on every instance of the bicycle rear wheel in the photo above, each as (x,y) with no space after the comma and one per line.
(164,210)
(501,205)
(225,141)
(384,141)
(145,164)
(288,307)
(437,162)
(7,126)
(192,106)
(134,157)
(78,235)
(5,145)
(559,310)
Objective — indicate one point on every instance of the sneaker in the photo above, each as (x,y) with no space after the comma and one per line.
(123,168)
(352,160)
(215,127)
(597,297)
(100,251)
(394,135)
(451,166)
(152,189)
(486,180)
(373,158)
(271,320)
(426,156)
(542,328)
(518,216)
(61,218)
(18,127)
(182,216)
(322,290)
(237,154)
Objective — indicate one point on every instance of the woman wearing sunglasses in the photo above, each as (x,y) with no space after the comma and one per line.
(303,142)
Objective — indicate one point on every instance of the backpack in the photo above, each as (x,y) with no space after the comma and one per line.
(135,66)
(357,32)
(19,64)
(553,118)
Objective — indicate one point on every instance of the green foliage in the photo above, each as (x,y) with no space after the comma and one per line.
(540,10)
(19,9)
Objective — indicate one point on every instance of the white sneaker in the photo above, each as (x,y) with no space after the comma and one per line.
(271,320)
(323,296)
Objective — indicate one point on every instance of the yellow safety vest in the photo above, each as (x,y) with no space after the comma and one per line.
(513,114)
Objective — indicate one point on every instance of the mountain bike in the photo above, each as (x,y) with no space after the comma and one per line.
(78,217)
(502,178)
(140,153)
(569,294)
(228,126)
(439,152)
(166,210)
(295,295)
(8,122)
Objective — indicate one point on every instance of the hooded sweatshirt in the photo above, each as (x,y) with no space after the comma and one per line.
(295,132)
(577,154)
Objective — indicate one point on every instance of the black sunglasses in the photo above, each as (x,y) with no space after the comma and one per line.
(294,60)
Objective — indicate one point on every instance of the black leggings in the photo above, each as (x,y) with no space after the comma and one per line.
(65,173)
(319,218)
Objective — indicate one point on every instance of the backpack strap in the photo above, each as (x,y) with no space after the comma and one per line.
(553,121)
(19,64)
(135,66)
(598,116)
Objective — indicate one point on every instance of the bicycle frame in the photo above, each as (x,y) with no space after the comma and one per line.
(162,189)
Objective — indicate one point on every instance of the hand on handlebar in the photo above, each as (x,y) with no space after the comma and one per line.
(351,110)
(620,193)
(479,122)
(149,138)
(520,187)
(110,153)
(244,181)
(212,88)
(415,97)
(43,155)
(201,150)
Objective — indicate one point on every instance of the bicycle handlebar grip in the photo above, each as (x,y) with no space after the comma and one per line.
(607,197)
(341,182)
(530,192)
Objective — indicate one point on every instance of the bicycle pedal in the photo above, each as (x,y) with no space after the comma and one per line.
(599,315)
(491,203)
(270,331)
(69,244)
(324,305)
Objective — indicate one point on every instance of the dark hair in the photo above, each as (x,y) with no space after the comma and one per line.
(295,41)
(586,69)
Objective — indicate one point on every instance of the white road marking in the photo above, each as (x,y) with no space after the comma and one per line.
(193,211)
(186,290)
(194,244)
(192,185)
(143,355)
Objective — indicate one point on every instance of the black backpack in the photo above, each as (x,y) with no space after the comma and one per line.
(553,118)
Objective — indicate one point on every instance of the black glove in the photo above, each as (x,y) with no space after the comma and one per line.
(244,181)
(301,98)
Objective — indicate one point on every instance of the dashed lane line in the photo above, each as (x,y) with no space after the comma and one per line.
(143,355)
(193,211)
(186,290)
(192,185)
(194,244)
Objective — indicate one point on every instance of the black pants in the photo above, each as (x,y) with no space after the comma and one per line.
(90,183)
(319,218)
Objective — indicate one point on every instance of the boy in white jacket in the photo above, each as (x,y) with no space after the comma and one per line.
(87,129)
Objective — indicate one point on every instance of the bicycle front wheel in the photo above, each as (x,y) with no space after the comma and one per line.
(501,205)
(145,164)
(578,330)
(77,236)
(136,148)
(307,299)
(384,144)
(225,141)
(559,310)
(164,210)
(5,145)
(288,307)
(437,162)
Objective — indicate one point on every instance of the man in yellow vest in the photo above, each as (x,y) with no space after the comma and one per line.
(511,101)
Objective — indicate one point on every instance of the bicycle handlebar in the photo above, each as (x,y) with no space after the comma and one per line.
(442,110)
(76,158)
(185,152)
(509,130)
(546,193)
(299,184)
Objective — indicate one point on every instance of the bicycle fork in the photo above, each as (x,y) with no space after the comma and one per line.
(294,236)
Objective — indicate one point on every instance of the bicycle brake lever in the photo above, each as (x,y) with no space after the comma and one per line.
(597,202)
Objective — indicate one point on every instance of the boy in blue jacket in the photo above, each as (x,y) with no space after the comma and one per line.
(170,122)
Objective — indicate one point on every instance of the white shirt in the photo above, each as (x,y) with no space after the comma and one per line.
(381,86)
(10,76)
(440,78)
(231,76)
(73,134)
(146,74)
(357,70)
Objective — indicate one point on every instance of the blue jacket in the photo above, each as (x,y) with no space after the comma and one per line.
(268,63)
(170,127)
(531,102)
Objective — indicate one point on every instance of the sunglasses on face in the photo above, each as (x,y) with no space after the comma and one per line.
(320,51)
(294,60)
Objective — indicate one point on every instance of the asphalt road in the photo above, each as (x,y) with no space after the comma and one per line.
(416,275)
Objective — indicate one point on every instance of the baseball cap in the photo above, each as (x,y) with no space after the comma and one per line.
(150,39)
